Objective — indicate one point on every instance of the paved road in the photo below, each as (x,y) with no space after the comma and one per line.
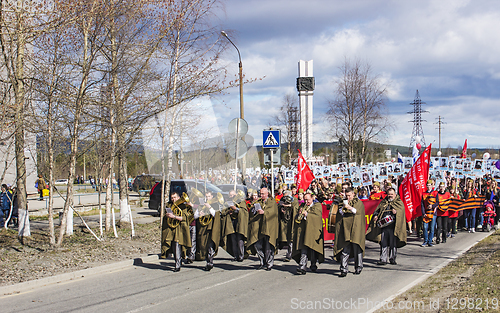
(238,287)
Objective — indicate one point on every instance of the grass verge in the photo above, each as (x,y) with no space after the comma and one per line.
(468,284)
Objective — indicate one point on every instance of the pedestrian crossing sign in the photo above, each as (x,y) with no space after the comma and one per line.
(271,139)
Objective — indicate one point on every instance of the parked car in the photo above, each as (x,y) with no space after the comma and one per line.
(145,181)
(179,186)
(60,182)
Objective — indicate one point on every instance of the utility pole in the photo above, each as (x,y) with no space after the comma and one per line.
(440,122)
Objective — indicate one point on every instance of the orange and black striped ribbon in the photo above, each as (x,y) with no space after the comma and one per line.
(454,205)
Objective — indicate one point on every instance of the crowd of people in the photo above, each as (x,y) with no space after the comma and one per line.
(195,227)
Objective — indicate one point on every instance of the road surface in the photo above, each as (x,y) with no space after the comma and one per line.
(239,287)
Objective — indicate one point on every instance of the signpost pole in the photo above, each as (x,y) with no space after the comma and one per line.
(272,172)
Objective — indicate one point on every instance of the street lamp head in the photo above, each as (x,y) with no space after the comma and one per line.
(223,33)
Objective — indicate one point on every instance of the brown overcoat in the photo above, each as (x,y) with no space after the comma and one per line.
(266,224)
(286,227)
(206,233)
(373,231)
(309,233)
(350,228)
(179,234)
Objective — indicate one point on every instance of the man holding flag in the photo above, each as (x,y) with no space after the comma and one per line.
(413,185)
(305,176)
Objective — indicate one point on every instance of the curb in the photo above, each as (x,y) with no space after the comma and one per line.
(51,280)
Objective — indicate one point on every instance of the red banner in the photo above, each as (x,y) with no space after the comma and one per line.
(305,175)
(370,207)
(414,185)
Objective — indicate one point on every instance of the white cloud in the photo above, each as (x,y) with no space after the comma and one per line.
(448,50)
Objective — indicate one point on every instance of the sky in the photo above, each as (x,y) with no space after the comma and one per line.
(448,50)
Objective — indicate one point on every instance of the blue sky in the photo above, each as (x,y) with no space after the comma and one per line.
(447,49)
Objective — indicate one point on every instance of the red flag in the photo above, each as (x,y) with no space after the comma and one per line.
(414,185)
(305,175)
(464,151)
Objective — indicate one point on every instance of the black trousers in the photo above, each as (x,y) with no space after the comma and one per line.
(388,248)
(442,228)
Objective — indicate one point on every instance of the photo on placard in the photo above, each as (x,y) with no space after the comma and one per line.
(478,164)
(289,177)
(382,171)
(326,171)
(355,178)
(398,168)
(467,166)
(438,175)
(366,178)
(443,163)
(495,173)
(459,165)
(435,163)
(354,171)
(408,163)
(318,172)
(451,164)
(490,164)
(390,169)
(343,170)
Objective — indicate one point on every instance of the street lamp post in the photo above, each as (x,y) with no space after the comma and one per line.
(240,65)
(242,114)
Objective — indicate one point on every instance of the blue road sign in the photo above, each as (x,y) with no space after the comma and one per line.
(271,139)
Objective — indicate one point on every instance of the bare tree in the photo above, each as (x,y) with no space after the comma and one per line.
(287,120)
(358,111)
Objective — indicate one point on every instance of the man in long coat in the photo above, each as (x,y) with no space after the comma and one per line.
(174,239)
(308,235)
(208,235)
(235,226)
(391,236)
(263,230)
(288,207)
(350,233)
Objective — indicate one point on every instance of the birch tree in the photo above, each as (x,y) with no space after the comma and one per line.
(358,112)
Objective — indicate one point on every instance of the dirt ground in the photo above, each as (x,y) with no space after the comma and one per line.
(34,258)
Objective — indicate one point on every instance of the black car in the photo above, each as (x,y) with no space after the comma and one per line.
(179,186)
(145,181)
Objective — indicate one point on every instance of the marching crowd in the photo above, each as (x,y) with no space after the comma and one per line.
(194,227)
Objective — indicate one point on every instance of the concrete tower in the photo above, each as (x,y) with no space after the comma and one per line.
(305,87)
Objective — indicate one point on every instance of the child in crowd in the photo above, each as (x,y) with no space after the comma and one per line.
(488,216)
